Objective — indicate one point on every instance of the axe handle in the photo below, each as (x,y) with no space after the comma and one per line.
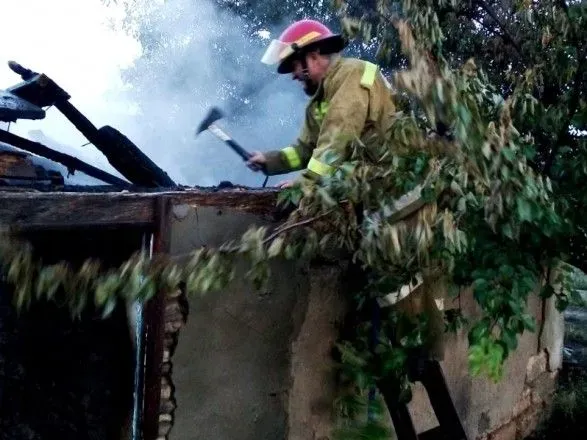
(221,134)
(239,150)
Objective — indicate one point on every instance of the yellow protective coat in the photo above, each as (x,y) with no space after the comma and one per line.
(353,101)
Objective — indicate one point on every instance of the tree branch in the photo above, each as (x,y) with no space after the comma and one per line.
(506,33)
(179,258)
(296,225)
(573,104)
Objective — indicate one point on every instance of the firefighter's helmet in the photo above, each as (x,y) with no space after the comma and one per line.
(299,38)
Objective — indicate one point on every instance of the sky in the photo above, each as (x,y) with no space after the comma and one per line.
(152,71)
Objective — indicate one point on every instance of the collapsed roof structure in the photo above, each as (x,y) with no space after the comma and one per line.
(27,99)
(110,221)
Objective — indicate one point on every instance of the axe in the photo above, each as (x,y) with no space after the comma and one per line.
(209,124)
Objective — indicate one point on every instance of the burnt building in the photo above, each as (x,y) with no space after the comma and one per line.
(242,364)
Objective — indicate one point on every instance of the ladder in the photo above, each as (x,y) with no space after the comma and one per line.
(429,373)
(421,368)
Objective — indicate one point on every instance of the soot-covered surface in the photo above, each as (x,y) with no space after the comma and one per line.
(64,379)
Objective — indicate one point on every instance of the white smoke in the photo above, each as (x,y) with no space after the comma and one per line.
(152,69)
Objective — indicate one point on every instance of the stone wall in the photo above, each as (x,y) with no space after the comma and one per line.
(175,315)
(532,404)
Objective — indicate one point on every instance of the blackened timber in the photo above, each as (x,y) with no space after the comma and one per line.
(83,124)
(125,156)
(71,162)
(40,210)
(120,151)
(155,323)
(446,413)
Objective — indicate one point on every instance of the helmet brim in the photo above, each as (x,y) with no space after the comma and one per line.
(332,44)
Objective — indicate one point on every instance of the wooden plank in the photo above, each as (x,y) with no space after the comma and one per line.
(155,322)
(444,408)
(433,434)
(32,210)
(407,205)
(16,163)
(38,210)
(70,162)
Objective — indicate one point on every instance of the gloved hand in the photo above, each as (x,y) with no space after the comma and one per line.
(256,161)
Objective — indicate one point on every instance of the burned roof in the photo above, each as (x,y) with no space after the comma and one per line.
(37,91)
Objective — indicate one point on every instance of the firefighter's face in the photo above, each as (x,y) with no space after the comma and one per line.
(316,70)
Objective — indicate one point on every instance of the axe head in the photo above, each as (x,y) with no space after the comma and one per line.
(213,115)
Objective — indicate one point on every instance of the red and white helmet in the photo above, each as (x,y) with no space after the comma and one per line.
(301,37)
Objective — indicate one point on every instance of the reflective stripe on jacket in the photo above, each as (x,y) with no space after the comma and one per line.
(353,101)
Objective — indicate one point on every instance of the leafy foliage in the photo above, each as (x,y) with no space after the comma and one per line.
(534,55)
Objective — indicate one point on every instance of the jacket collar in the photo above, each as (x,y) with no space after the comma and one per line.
(332,69)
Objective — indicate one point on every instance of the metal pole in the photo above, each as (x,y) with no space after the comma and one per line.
(139,378)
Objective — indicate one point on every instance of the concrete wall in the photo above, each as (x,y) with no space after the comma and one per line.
(231,366)
(253,365)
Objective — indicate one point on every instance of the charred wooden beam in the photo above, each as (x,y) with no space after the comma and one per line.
(120,151)
(155,327)
(71,162)
(37,210)
(125,156)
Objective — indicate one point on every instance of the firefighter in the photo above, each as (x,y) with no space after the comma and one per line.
(349,99)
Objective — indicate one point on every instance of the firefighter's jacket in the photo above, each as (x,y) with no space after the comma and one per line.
(353,101)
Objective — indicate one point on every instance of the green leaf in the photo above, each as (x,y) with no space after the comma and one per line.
(109,307)
(524,209)
(478,332)
(276,247)
(509,337)
(509,154)
(508,231)
(394,359)
(291,195)
(147,290)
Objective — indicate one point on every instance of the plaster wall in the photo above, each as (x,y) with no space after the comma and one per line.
(256,365)
(231,366)
(510,408)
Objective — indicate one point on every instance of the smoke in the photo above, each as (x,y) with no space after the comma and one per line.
(152,69)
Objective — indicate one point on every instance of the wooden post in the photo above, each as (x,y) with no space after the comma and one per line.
(154,328)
